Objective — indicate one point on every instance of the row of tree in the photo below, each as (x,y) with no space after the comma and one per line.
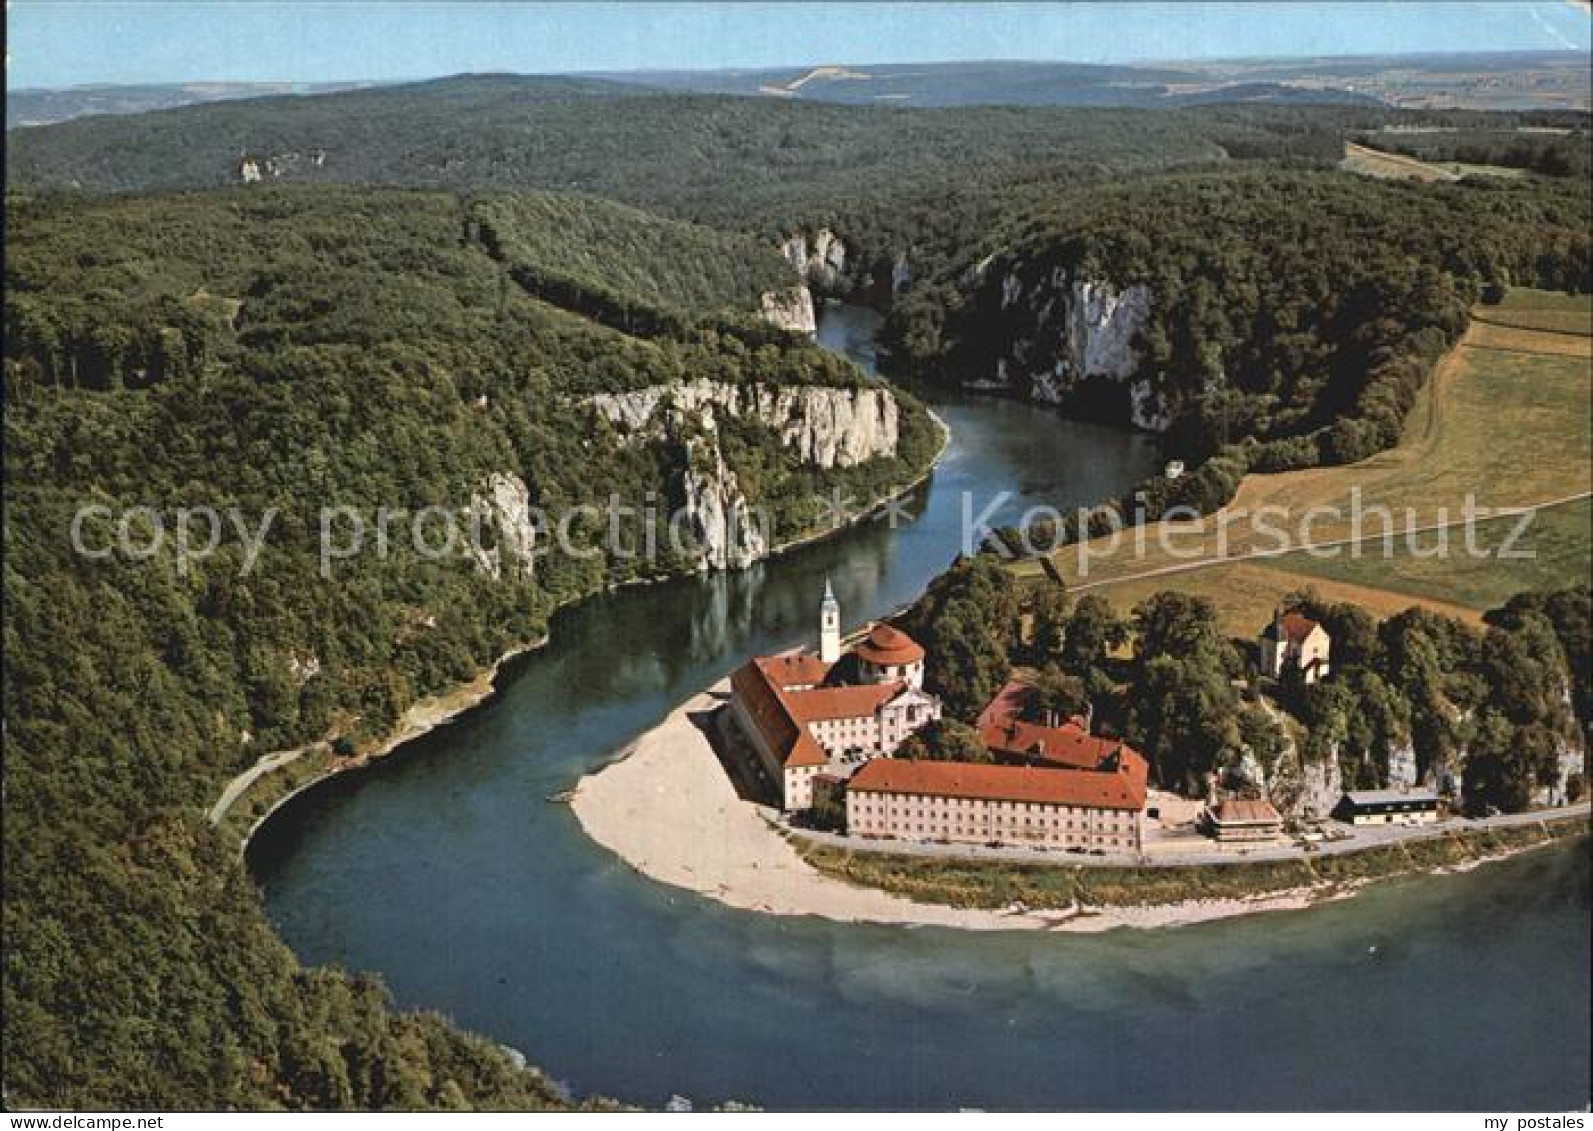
(1494,715)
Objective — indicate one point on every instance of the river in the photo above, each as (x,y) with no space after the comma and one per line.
(446,871)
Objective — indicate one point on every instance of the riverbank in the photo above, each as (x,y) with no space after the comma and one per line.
(292,772)
(277,777)
(667,808)
(1308,878)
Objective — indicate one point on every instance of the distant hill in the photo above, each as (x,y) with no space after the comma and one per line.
(42,107)
(1509,80)
(1484,81)
(698,156)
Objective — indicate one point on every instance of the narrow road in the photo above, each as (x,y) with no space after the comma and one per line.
(1279,552)
(266,763)
(1359,839)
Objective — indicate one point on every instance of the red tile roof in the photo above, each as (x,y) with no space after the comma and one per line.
(783,716)
(1009,703)
(1069,746)
(1296,627)
(794,669)
(854,701)
(1000,783)
(887,645)
(765,703)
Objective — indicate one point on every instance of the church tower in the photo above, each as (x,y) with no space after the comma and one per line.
(829,626)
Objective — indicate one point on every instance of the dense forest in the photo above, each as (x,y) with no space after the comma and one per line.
(1294,316)
(285,350)
(425,291)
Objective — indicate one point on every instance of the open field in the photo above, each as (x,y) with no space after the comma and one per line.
(1521,340)
(1504,420)
(1375,163)
(1246,593)
(1541,310)
(1398,166)
(1557,538)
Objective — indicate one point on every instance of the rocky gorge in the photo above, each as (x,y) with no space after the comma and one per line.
(818,427)
(1064,337)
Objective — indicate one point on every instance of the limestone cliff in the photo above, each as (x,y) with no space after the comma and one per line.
(727,530)
(901,274)
(1060,333)
(503,540)
(820,426)
(791,310)
(820,258)
(254,168)
(824,426)
(1304,787)
(1570,764)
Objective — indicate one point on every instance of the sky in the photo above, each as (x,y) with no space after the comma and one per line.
(52,43)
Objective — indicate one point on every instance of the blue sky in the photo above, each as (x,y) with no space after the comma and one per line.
(69,42)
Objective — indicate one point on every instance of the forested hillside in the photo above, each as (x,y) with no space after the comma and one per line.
(1282,318)
(754,163)
(282,351)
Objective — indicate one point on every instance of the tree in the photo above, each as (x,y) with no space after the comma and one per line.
(1048,609)
(1058,695)
(1181,625)
(1183,717)
(945,740)
(967,621)
(1094,632)
(1506,763)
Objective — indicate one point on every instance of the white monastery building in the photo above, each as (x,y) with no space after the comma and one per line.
(808,714)
(979,804)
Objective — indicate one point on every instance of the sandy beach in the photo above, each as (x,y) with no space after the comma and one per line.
(667,808)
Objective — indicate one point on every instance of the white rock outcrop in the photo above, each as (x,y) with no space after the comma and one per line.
(503,502)
(819,259)
(1569,763)
(1402,771)
(728,533)
(791,310)
(825,426)
(254,168)
(1306,788)
(901,274)
(1068,329)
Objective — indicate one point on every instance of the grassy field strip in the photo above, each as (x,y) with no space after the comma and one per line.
(1527,340)
(1551,552)
(1245,594)
(1289,551)
(1509,428)
(1376,163)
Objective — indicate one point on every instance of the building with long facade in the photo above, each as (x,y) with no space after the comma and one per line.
(956,802)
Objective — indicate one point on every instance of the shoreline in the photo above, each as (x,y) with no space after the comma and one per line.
(667,809)
(433,711)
